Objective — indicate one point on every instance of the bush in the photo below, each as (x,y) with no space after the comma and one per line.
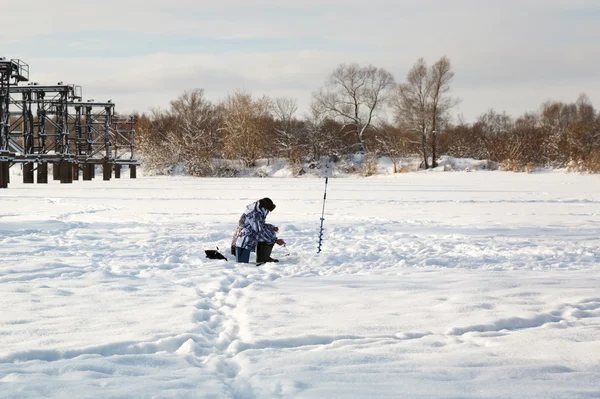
(346,165)
(593,161)
(490,165)
(296,167)
(369,166)
(510,165)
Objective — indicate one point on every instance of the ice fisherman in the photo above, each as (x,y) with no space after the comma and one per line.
(254,234)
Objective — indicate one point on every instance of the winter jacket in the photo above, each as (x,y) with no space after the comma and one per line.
(252,229)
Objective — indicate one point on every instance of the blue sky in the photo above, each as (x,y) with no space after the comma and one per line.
(510,56)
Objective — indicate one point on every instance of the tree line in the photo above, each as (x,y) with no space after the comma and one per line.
(362,109)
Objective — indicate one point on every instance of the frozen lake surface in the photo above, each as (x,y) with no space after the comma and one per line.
(430,285)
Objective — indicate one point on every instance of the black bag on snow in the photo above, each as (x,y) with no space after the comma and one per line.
(214,254)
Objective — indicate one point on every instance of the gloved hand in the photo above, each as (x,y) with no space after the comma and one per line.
(280,242)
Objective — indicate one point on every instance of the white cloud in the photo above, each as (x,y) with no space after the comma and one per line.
(516,100)
(511,55)
(139,83)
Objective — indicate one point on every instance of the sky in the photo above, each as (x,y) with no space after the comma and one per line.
(142,54)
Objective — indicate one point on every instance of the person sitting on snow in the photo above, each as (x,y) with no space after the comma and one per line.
(254,234)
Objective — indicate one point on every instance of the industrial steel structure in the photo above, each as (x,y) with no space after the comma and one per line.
(52,124)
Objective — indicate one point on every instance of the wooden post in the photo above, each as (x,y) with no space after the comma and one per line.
(106,170)
(117,168)
(4,169)
(42,173)
(66,172)
(87,171)
(69,171)
(3,182)
(132,171)
(62,168)
(75,171)
(28,173)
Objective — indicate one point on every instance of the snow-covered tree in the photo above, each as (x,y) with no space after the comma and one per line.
(289,132)
(422,104)
(184,135)
(247,124)
(354,95)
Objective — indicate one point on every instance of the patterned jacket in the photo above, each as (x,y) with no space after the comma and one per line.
(252,228)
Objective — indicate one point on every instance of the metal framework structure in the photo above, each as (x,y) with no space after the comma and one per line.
(46,132)
(41,124)
(11,73)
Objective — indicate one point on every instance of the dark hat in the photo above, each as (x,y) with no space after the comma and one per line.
(267,204)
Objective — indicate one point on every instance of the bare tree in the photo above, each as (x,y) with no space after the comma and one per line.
(316,132)
(556,119)
(353,95)
(284,109)
(184,135)
(495,128)
(195,122)
(288,132)
(422,104)
(440,76)
(411,105)
(495,124)
(151,138)
(464,141)
(246,124)
(583,135)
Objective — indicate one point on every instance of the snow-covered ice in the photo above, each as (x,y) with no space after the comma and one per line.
(430,285)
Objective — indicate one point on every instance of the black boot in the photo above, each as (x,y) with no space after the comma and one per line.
(263,253)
